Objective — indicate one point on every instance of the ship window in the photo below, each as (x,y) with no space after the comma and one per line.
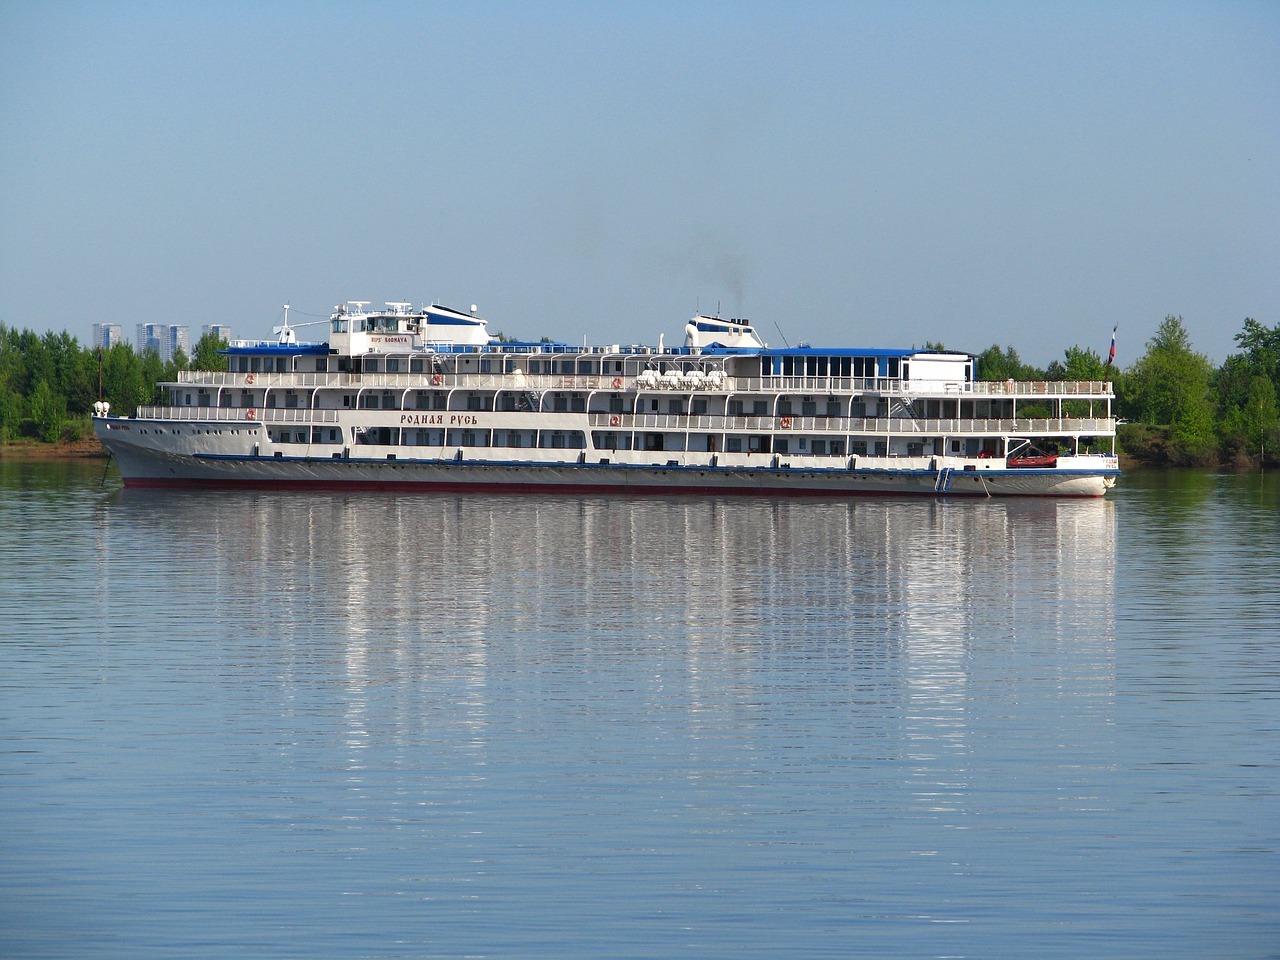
(677,406)
(833,408)
(290,399)
(700,406)
(561,404)
(578,404)
(819,448)
(760,408)
(733,445)
(784,408)
(808,408)
(371,364)
(393,365)
(780,446)
(735,408)
(474,403)
(255,364)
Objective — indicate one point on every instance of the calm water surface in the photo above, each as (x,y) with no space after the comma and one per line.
(314,725)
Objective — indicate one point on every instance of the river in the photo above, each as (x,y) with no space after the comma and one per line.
(373,726)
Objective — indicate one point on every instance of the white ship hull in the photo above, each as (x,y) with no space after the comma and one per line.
(149,465)
(404,399)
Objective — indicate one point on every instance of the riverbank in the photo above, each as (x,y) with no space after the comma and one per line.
(86,448)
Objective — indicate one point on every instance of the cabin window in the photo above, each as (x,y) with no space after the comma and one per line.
(733,445)
(393,365)
(760,408)
(833,408)
(677,406)
(561,404)
(187,400)
(255,364)
(700,406)
(372,364)
(808,408)
(781,446)
(784,408)
(440,400)
(415,365)
(578,404)
(282,364)
(735,408)
(290,399)
(322,364)
(819,448)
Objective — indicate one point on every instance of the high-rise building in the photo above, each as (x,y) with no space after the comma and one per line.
(177,338)
(148,337)
(219,330)
(166,339)
(107,335)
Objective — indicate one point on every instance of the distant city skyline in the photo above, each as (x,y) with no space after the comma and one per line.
(880,174)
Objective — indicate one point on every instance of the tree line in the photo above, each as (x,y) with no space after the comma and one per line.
(49,382)
(1179,408)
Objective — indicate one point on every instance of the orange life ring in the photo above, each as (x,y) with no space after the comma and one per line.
(786,423)
(250,378)
(614,421)
(437,380)
(617,383)
(251,414)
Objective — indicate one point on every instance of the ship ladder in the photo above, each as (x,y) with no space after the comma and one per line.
(943,483)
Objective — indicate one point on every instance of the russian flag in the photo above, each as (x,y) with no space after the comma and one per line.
(1111,357)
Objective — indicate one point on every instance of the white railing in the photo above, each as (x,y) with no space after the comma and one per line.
(1095,389)
(840,425)
(224,414)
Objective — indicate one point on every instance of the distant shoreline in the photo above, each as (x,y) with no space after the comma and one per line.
(85,449)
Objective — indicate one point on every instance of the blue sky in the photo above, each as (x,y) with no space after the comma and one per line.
(874,174)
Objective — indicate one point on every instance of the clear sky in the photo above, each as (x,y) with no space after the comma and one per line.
(847,173)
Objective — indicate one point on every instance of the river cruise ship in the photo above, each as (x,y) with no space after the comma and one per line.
(404,398)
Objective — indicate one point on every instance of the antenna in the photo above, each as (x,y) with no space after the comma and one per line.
(781,334)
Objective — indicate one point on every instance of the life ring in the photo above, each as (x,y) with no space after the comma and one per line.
(614,421)
(437,380)
(250,378)
(251,414)
(617,383)
(785,423)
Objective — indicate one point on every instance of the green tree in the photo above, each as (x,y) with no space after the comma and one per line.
(995,363)
(48,411)
(11,410)
(206,356)
(1170,385)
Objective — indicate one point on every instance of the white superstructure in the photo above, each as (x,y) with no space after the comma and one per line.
(407,397)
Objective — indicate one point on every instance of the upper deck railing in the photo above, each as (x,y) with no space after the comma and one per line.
(1070,389)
